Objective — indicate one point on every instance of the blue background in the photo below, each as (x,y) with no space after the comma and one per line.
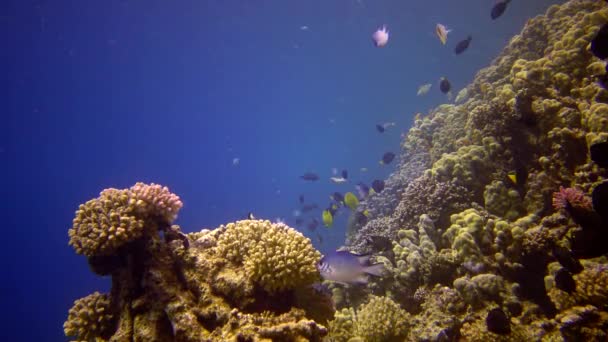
(107,93)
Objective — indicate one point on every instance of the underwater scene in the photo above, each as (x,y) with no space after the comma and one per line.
(336,171)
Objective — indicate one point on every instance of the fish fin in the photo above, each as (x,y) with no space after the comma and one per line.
(375,270)
(362,279)
(363,258)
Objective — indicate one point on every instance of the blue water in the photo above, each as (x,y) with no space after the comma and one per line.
(107,93)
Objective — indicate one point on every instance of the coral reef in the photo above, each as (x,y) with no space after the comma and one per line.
(497,221)
(486,228)
(244,281)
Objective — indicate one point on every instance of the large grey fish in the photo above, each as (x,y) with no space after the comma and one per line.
(348,268)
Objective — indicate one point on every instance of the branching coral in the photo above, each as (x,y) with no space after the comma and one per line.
(275,256)
(90,318)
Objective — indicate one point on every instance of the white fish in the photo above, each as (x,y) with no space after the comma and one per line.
(338,180)
(424,89)
(442,32)
(236,161)
(380,37)
(345,267)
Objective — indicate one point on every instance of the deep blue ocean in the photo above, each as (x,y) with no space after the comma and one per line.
(100,94)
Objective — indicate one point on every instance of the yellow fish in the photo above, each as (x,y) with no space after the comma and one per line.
(328,218)
(512,177)
(442,32)
(351,200)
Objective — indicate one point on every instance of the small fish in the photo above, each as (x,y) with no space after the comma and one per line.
(338,180)
(310,176)
(344,174)
(309,207)
(236,161)
(336,196)
(442,33)
(380,37)
(351,201)
(384,126)
(387,158)
(512,177)
(328,218)
(304,28)
(250,216)
(301,199)
(444,85)
(423,89)
(378,185)
(599,43)
(312,225)
(363,190)
(348,268)
(499,8)
(297,213)
(363,169)
(463,45)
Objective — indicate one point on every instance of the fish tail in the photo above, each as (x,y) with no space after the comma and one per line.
(375,270)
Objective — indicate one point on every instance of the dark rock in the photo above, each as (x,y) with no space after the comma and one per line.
(498,322)
(599,153)
(564,280)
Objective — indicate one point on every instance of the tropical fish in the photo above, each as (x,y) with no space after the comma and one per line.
(387,158)
(348,268)
(380,243)
(344,174)
(380,37)
(512,177)
(362,189)
(338,180)
(312,225)
(462,95)
(463,45)
(363,169)
(309,207)
(310,176)
(423,89)
(442,33)
(336,196)
(444,85)
(351,200)
(378,185)
(599,43)
(328,218)
(236,161)
(499,8)
(384,126)
(250,216)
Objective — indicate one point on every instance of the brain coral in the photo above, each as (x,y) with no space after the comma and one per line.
(116,217)
(89,318)
(275,256)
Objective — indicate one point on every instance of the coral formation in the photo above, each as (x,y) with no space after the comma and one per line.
(486,226)
(501,195)
(247,280)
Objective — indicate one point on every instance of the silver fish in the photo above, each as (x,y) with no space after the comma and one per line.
(348,268)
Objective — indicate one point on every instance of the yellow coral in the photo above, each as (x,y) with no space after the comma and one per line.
(382,320)
(90,317)
(274,256)
(104,224)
